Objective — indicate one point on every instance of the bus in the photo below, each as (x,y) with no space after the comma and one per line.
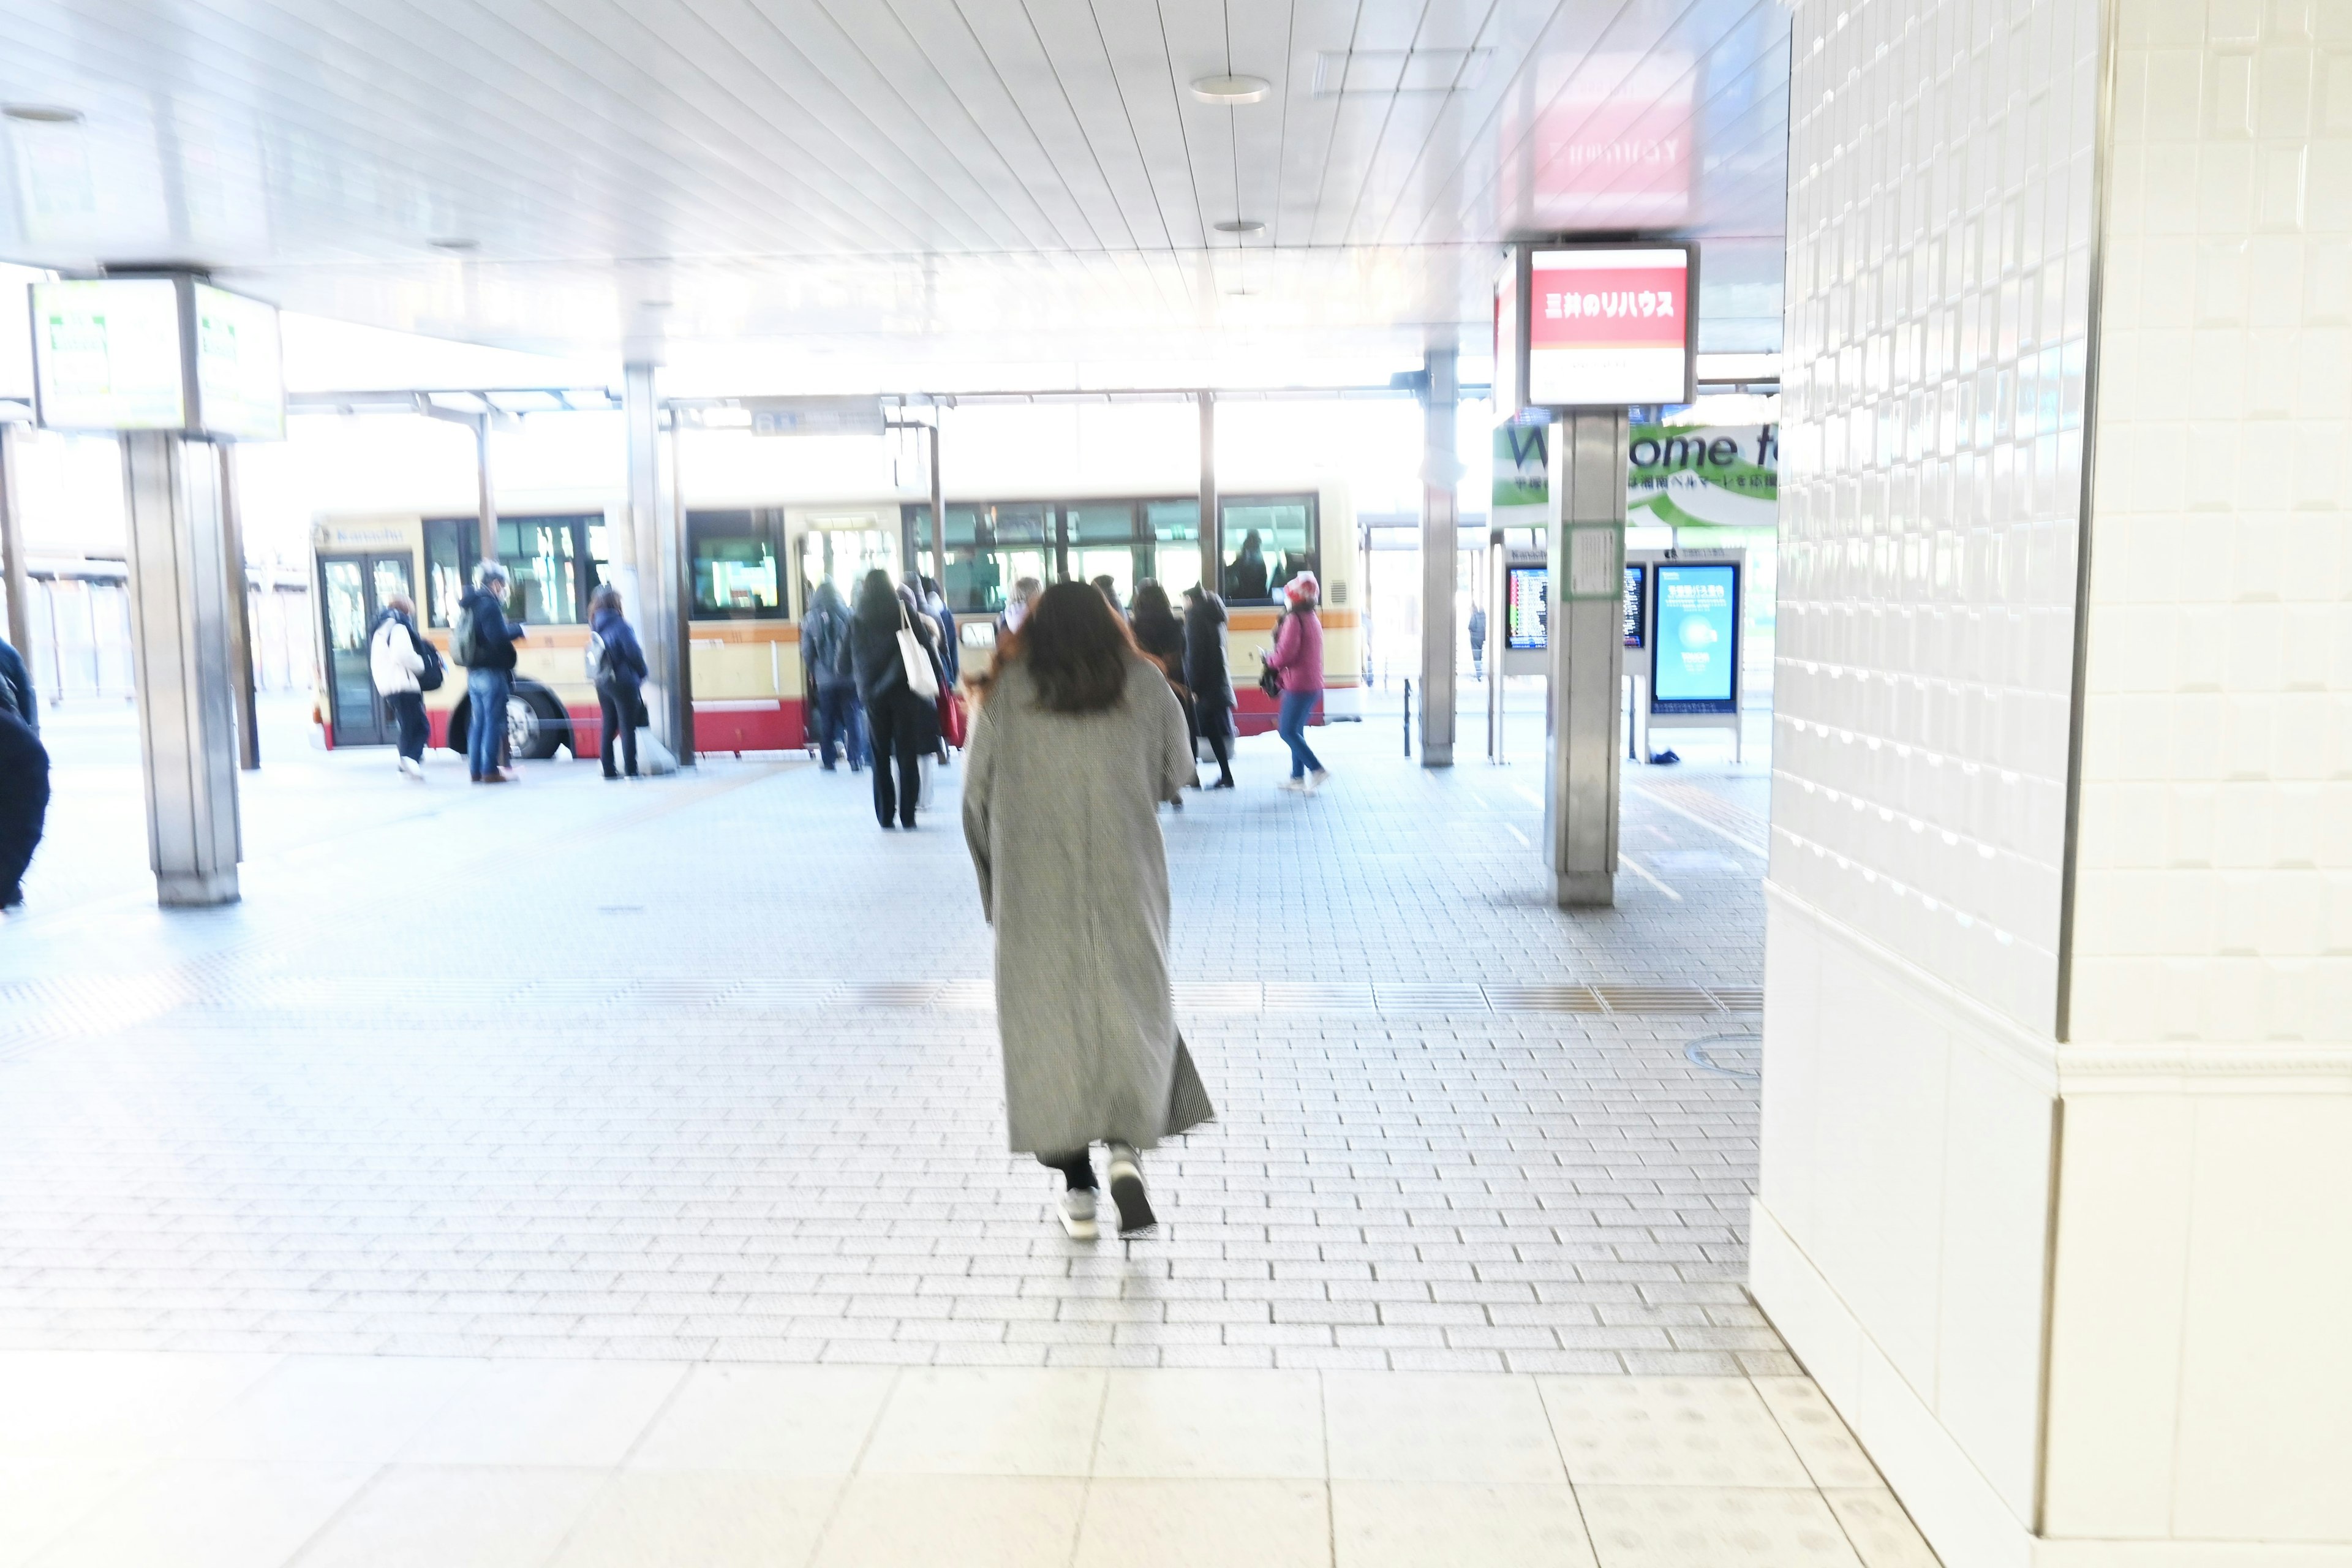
(754,569)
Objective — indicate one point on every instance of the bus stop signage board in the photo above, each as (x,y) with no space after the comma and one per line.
(1695,660)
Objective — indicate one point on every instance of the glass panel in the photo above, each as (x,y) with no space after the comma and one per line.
(1270,539)
(735,568)
(843,556)
(347,651)
(600,551)
(448,562)
(1100,523)
(1114,561)
(391,574)
(542,559)
(1175,530)
(1017,524)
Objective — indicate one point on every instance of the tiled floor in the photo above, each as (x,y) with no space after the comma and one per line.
(200,1459)
(578,1175)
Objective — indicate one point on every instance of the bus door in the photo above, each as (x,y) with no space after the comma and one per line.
(354,589)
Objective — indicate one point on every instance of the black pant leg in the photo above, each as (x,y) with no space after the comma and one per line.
(909,750)
(616,724)
(882,719)
(1078,1169)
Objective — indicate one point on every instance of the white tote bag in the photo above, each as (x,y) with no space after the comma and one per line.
(921,678)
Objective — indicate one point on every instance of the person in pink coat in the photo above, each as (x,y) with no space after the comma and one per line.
(1297,656)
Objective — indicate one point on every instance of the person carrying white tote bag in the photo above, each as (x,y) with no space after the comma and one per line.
(922,679)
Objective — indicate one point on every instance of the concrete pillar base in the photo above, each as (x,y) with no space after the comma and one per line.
(196,890)
(1584,889)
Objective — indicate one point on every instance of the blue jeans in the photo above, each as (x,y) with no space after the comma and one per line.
(1297,707)
(485,691)
(840,724)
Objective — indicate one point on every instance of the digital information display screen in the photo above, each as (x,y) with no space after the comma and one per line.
(1694,665)
(106,355)
(1637,591)
(240,377)
(113,353)
(1526,591)
(1609,326)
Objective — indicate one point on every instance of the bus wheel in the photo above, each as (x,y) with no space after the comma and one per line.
(536,724)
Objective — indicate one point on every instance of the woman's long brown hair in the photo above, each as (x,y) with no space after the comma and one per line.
(1075,649)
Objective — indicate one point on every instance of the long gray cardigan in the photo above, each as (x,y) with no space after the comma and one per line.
(1062,813)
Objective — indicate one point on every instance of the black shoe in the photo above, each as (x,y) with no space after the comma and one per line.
(610,775)
(1225,782)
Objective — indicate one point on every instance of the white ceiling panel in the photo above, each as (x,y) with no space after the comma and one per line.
(939,179)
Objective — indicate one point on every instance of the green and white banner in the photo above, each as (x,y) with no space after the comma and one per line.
(1711,476)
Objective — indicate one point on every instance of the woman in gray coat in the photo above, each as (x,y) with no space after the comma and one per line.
(1079,741)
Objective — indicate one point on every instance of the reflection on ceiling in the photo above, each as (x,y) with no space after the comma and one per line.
(936,180)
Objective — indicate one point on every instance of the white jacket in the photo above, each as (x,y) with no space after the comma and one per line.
(393,659)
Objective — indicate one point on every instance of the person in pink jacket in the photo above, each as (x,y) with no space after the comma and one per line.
(1298,656)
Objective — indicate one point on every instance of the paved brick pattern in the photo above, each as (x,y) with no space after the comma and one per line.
(649,1072)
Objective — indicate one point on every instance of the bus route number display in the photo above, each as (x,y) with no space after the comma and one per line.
(1696,661)
(1523,608)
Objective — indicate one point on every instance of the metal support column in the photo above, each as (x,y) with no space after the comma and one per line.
(1587,654)
(240,619)
(180,611)
(1440,549)
(938,504)
(677,588)
(12,547)
(485,500)
(650,606)
(1212,577)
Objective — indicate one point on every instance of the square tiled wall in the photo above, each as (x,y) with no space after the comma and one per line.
(2216,854)
(1938,287)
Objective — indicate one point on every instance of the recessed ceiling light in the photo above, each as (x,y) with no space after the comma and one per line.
(1231,89)
(43,114)
(455,244)
(656,304)
(1241,226)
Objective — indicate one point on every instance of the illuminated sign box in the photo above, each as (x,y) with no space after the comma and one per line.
(156,353)
(1695,619)
(1524,610)
(1595,326)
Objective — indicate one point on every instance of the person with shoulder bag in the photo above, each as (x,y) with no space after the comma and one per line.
(617,666)
(1296,664)
(1205,673)
(898,682)
(485,646)
(398,659)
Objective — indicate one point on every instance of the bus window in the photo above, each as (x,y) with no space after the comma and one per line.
(1101,543)
(545,558)
(1270,539)
(1174,529)
(735,567)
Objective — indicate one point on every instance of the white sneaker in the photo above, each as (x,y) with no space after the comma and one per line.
(1127,1191)
(1077,1212)
(412,768)
(1318,779)
(1295,786)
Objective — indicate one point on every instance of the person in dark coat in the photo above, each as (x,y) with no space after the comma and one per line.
(23,802)
(904,726)
(16,689)
(1160,636)
(1246,579)
(620,677)
(1206,675)
(831,679)
(490,673)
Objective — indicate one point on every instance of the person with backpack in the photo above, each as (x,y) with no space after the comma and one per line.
(617,666)
(484,644)
(834,717)
(398,658)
